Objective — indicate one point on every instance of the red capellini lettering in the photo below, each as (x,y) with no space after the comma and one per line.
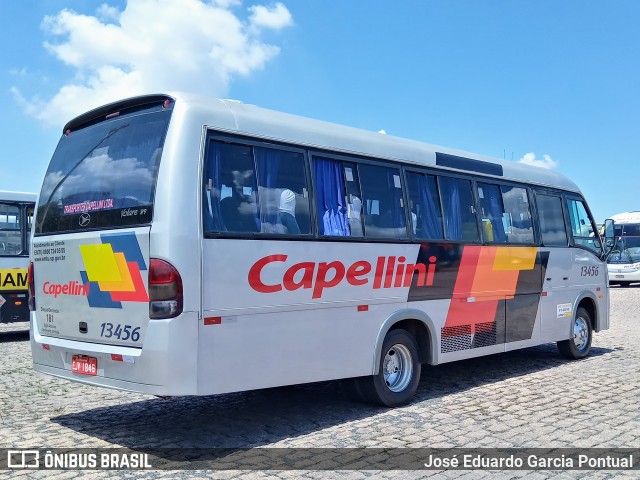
(389,272)
(72,288)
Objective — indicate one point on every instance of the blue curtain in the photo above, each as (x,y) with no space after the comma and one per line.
(453,218)
(429,218)
(268,162)
(397,211)
(330,197)
(494,210)
(211,198)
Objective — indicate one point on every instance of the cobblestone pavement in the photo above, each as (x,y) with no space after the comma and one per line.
(529,398)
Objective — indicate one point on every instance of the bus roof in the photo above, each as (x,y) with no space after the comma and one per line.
(17,196)
(626,217)
(245,119)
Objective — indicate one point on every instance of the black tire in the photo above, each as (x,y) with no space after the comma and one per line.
(579,345)
(399,372)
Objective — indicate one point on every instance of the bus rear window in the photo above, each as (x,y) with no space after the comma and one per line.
(103,175)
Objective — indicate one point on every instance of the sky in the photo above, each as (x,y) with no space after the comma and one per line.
(554,83)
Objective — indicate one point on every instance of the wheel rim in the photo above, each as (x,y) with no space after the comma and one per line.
(397,368)
(580,333)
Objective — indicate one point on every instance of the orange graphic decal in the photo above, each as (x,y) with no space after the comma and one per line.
(486,276)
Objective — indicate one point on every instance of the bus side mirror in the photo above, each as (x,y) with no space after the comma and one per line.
(609,237)
(609,230)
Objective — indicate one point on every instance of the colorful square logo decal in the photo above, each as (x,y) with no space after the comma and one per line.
(113,271)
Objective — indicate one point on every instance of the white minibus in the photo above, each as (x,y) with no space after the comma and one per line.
(193,246)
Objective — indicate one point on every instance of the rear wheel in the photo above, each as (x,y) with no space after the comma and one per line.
(399,372)
(579,344)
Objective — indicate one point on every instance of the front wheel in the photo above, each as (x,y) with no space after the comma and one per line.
(579,345)
(399,372)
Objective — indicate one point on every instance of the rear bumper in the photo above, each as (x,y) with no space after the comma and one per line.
(15,308)
(165,365)
(615,276)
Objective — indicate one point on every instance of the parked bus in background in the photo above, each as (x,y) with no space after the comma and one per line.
(16,213)
(623,261)
(189,246)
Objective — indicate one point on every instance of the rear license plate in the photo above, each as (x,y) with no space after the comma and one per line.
(84,365)
(619,276)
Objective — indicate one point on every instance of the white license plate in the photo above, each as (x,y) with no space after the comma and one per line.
(619,276)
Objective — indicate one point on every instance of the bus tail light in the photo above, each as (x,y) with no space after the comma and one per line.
(165,290)
(32,288)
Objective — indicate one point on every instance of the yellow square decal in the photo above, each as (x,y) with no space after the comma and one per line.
(100,263)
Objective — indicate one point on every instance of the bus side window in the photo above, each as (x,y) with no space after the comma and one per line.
(282,187)
(240,198)
(583,228)
(338,197)
(505,214)
(552,226)
(458,210)
(230,196)
(517,215)
(491,213)
(382,197)
(426,215)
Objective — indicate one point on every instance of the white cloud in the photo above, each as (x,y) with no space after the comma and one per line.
(276,17)
(545,162)
(153,46)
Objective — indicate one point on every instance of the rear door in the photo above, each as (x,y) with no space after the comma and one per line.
(92,286)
